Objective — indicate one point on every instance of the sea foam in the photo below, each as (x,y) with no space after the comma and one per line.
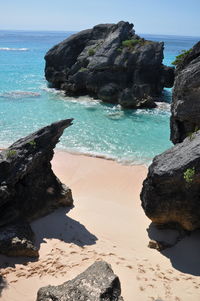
(13,49)
(19,94)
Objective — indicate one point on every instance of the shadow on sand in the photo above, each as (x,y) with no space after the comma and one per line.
(56,225)
(184,255)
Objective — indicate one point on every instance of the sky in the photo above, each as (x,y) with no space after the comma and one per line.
(176,17)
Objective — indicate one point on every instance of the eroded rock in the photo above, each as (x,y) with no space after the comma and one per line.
(185,108)
(17,240)
(105,61)
(98,282)
(29,188)
(171,191)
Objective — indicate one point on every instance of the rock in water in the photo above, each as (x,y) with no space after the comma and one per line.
(28,186)
(98,282)
(185,117)
(171,191)
(112,63)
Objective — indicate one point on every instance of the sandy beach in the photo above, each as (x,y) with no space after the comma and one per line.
(106,223)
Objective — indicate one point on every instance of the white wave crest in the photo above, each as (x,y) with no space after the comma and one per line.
(165,106)
(19,94)
(84,100)
(13,49)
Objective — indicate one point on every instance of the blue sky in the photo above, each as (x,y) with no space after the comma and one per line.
(149,16)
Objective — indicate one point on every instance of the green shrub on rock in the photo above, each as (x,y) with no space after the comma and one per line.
(91,52)
(189,175)
(179,58)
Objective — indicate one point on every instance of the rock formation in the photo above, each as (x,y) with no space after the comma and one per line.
(171,191)
(185,117)
(98,282)
(112,63)
(29,188)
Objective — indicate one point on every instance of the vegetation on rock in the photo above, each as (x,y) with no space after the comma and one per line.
(179,58)
(189,175)
(91,52)
(11,153)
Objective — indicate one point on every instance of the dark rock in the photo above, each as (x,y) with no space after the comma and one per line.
(159,245)
(17,240)
(100,62)
(171,191)
(3,284)
(98,282)
(185,109)
(28,186)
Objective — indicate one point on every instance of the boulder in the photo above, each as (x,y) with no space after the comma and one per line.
(17,239)
(105,61)
(171,191)
(98,282)
(28,187)
(185,118)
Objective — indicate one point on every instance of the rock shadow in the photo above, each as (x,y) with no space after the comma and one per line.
(56,225)
(184,255)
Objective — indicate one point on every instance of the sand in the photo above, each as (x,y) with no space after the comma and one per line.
(106,223)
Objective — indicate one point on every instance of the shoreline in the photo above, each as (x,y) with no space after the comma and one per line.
(103,157)
(107,223)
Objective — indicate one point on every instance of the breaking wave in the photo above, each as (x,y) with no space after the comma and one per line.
(13,49)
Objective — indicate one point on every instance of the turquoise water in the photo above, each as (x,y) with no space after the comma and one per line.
(26,103)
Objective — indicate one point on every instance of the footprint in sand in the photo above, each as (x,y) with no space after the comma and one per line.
(129,267)
(158,267)
(73,252)
(169,272)
(13,281)
(85,258)
(141,270)
(176,279)
(142,288)
(151,285)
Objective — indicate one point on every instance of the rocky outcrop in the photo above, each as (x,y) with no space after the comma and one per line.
(98,282)
(17,239)
(185,109)
(112,63)
(171,191)
(29,188)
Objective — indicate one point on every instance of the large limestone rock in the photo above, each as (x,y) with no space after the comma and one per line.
(171,191)
(29,188)
(185,109)
(112,63)
(98,282)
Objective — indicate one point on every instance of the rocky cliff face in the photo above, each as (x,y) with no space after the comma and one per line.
(112,63)
(98,282)
(171,191)
(28,187)
(185,117)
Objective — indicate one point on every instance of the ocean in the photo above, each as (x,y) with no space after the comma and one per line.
(27,104)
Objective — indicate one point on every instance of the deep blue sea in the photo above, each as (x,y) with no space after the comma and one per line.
(26,103)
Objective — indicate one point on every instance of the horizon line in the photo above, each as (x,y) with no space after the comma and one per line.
(76,31)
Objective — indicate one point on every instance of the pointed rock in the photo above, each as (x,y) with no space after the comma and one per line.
(28,186)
